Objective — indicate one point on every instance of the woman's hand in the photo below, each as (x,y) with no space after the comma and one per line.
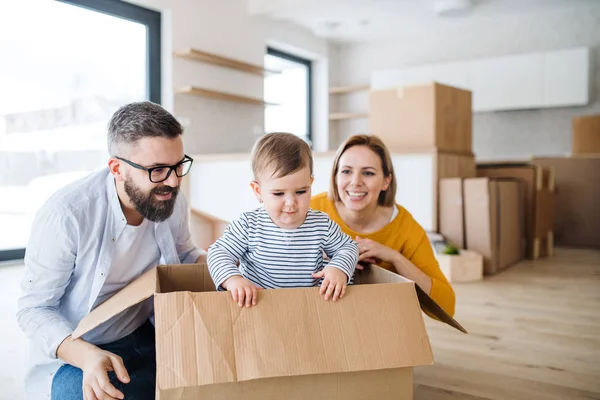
(373,252)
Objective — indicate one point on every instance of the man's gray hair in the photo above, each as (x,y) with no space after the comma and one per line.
(135,121)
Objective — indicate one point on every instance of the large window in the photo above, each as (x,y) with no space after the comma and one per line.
(69,65)
(290,90)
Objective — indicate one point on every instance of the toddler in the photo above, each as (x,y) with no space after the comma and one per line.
(281,244)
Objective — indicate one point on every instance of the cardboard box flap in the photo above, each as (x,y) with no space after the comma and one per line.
(373,274)
(289,332)
(432,308)
(137,291)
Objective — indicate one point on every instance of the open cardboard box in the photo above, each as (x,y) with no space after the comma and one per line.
(292,344)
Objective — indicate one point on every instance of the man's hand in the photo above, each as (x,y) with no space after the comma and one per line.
(96,385)
(334,282)
(242,290)
(95,364)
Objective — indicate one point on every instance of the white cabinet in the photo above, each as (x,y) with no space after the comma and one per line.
(506,83)
(516,82)
(566,77)
(451,74)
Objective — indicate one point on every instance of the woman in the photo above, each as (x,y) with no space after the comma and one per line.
(361,200)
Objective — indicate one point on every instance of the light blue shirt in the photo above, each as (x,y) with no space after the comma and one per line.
(68,257)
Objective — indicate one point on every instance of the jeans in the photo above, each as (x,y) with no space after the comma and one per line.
(139,357)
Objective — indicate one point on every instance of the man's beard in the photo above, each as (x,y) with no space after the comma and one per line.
(147,204)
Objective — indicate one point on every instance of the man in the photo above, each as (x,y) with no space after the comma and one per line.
(91,239)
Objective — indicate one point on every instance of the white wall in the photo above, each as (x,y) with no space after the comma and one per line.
(225,28)
(498,135)
(415,170)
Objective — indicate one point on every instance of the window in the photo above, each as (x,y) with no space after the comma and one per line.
(72,64)
(290,89)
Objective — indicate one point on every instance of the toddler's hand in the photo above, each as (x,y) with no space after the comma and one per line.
(242,290)
(334,282)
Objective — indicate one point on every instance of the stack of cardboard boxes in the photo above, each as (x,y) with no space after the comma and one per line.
(438,119)
(537,203)
(432,119)
(484,215)
(506,213)
(496,213)
(516,210)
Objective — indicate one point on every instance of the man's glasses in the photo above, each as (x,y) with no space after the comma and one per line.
(162,172)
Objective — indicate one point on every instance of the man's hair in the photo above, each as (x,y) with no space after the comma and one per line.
(375,144)
(135,121)
(285,153)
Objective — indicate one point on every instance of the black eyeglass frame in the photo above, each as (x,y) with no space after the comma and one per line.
(171,168)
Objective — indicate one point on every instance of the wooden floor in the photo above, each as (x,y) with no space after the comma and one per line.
(534,334)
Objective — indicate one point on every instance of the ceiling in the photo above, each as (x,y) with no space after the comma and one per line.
(368,20)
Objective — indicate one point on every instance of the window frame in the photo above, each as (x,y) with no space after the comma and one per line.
(152,20)
(308,63)
(134,13)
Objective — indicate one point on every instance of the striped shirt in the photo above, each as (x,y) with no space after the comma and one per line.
(272,257)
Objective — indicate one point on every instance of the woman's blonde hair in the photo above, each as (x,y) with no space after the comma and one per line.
(375,144)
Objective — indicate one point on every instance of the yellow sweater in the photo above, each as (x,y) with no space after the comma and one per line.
(409,238)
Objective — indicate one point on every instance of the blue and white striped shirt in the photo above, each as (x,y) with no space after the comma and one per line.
(272,257)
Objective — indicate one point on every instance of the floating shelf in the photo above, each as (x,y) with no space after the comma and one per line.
(348,89)
(213,94)
(339,116)
(210,58)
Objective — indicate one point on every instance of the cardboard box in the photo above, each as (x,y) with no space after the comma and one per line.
(291,345)
(423,117)
(464,267)
(538,196)
(494,221)
(577,222)
(586,135)
(451,211)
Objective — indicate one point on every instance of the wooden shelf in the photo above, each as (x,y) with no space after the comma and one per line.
(213,94)
(210,58)
(339,116)
(348,89)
